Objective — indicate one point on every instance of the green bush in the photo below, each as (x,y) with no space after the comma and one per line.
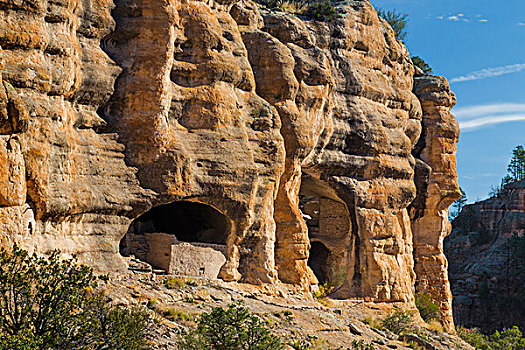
(48,303)
(361,345)
(397,20)
(419,62)
(321,11)
(428,309)
(508,339)
(398,322)
(231,329)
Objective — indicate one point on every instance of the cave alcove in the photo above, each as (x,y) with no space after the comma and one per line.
(318,261)
(330,234)
(182,238)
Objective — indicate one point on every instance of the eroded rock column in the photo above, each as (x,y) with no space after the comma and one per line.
(437,186)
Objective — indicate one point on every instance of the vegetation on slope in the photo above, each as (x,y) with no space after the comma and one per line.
(508,339)
(397,20)
(319,10)
(48,304)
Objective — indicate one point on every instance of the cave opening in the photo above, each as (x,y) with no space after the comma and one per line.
(186,238)
(318,261)
(327,217)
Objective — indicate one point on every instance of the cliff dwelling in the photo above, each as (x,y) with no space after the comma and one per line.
(182,238)
(329,232)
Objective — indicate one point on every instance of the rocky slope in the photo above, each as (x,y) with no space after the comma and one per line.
(487,288)
(306,150)
(291,314)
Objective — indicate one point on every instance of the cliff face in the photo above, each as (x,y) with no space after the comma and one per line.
(293,144)
(485,271)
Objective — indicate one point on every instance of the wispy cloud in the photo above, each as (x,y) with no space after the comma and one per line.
(462,113)
(476,117)
(521,24)
(461,17)
(490,120)
(490,72)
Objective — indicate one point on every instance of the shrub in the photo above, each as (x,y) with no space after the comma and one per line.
(231,329)
(321,11)
(398,322)
(419,62)
(322,293)
(427,308)
(508,339)
(474,337)
(361,345)
(48,303)
(397,20)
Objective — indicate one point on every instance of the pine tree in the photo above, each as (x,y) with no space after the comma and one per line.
(516,168)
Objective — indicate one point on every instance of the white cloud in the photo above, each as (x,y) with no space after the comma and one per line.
(490,72)
(461,17)
(476,117)
(474,124)
(521,24)
(482,110)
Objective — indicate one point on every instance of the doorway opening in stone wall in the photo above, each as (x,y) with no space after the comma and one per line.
(318,261)
(181,238)
(329,232)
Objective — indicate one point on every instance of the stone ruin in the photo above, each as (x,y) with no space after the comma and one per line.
(181,238)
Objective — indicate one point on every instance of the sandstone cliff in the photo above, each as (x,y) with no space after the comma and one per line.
(487,281)
(307,150)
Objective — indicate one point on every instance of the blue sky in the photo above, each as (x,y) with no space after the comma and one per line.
(479,45)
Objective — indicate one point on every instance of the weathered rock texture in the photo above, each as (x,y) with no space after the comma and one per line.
(436,179)
(110,109)
(486,277)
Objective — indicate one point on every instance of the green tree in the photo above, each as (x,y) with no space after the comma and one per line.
(516,168)
(397,20)
(426,306)
(49,303)
(419,62)
(321,11)
(231,329)
(508,339)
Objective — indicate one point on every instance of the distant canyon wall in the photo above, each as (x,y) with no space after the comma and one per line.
(486,264)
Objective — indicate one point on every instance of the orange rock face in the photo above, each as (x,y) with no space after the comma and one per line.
(436,180)
(301,137)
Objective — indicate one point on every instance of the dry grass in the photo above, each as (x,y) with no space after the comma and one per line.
(372,322)
(436,326)
(292,7)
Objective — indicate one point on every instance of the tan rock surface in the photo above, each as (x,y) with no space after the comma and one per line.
(257,115)
(438,188)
